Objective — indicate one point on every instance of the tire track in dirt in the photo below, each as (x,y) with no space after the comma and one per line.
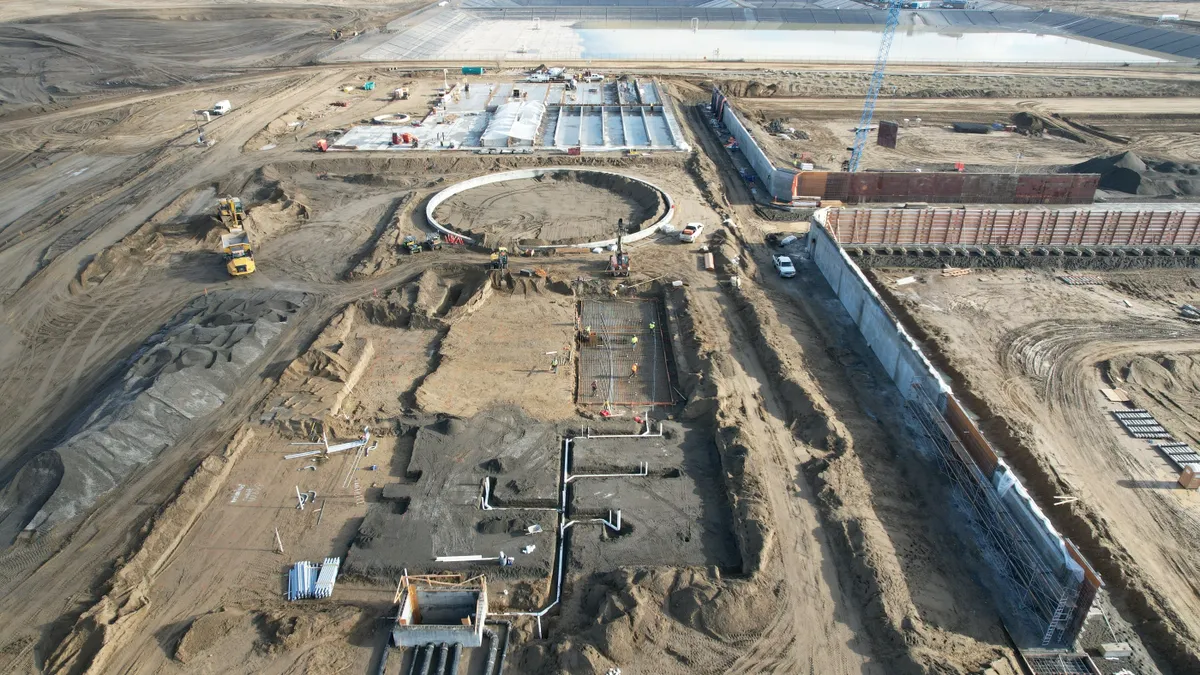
(1057,360)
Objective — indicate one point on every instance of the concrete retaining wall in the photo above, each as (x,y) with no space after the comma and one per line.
(918,381)
(903,360)
(778,182)
(459,188)
(785,184)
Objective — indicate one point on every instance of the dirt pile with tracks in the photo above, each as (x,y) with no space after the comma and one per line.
(121,611)
(183,373)
(1032,355)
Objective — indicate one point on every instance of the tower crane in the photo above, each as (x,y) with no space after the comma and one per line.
(868,111)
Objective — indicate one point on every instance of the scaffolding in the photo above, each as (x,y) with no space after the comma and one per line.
(1052,601)
(616,335)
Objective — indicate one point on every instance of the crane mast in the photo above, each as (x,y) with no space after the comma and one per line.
(868,112)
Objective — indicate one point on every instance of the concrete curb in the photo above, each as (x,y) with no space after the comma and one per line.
(465,185)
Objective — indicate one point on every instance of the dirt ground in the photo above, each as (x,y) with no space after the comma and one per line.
(1091,127)
(1143,11)
(552,209)
(764,541)
(1037,353)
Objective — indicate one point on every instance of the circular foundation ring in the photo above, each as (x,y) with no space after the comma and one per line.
(521,174)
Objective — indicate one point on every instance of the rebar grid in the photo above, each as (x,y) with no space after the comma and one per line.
(1050,600)
(615,336)
(1060,664)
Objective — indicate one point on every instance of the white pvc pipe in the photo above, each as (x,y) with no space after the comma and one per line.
(643,470)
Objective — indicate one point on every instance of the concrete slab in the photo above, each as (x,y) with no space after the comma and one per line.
(678,513)
(633,119)
(435,509)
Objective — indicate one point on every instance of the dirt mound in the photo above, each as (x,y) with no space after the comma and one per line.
(274,205)
(181,374)
(207,631)
(120,613)
(1129,173)
(562,207)
(284,630)
(383,251)
(183,226)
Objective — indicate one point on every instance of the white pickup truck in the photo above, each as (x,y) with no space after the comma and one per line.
(784,264)
(691,232)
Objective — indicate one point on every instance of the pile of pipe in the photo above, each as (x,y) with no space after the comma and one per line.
(308,580)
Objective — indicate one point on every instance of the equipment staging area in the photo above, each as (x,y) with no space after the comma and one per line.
(404,339)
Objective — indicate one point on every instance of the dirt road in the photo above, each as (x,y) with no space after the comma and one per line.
(940,108)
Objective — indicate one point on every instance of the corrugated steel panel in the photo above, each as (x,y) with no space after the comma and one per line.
(974,188)
(1008,227)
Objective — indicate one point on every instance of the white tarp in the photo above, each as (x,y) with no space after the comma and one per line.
(515,122)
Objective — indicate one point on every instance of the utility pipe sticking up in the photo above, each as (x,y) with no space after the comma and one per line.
(440,666)
(428,660)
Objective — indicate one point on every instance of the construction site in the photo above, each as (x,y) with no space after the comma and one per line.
(609,337)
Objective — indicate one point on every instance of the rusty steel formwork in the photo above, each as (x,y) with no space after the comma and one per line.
(941,188)
(1012,227)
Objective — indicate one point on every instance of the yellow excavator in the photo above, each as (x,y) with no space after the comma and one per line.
(499,259)
(235,246)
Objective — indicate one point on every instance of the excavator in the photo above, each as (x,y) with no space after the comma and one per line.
(235,245)
(499,259)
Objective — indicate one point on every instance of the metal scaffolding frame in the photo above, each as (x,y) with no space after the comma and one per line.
(1050,601)
(616,335)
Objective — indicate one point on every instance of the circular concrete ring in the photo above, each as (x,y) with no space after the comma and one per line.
(519,174)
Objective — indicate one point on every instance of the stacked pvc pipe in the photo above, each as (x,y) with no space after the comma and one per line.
(307,580)
(324,585)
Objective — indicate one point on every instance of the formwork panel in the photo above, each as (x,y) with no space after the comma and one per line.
(1019,227)
(618,334)
(811,184)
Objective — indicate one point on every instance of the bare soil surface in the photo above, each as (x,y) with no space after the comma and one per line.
(781,549)
(100,48)
(1036,353)
(564,207)
(1082,128)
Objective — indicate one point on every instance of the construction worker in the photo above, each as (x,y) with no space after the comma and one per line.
(554,365)
(594,386)
(633,371)
(633,341)
(652,325)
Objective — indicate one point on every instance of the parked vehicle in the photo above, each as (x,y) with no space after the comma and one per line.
(691,232)
(538,77)
(784,264)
